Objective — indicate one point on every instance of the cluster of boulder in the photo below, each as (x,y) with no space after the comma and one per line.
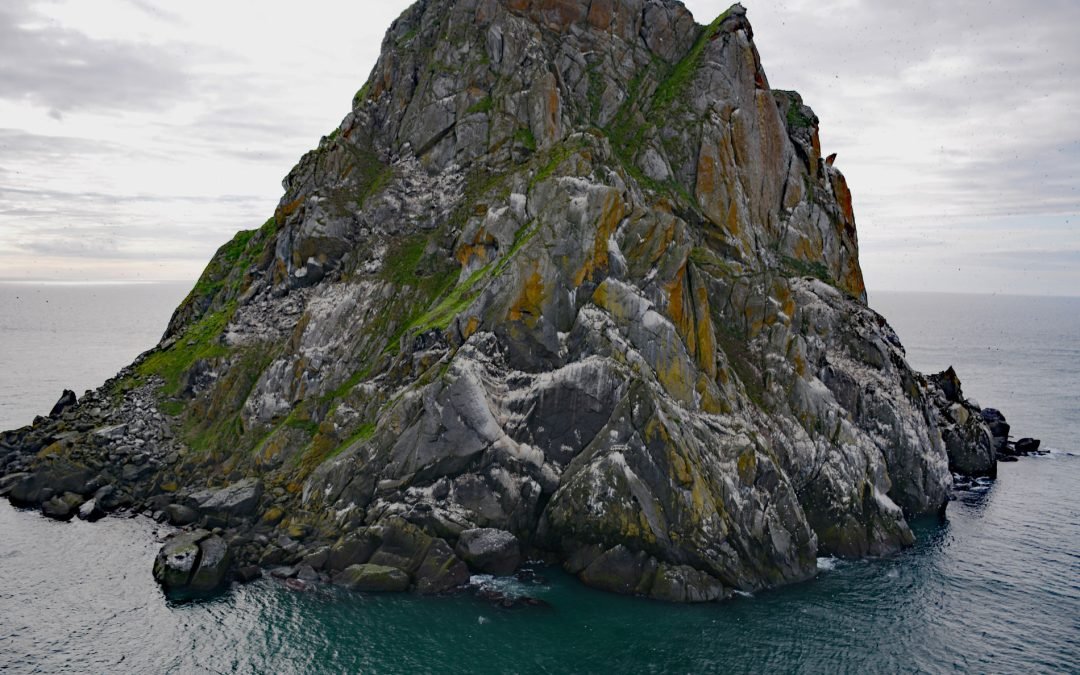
(1005,448)
(394,555)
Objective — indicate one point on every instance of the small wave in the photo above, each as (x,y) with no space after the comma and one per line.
(743,594)
(827,564)
(1054,452)
(508,586)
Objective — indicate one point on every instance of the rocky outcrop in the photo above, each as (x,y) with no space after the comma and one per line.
(969,442)
(569,282)
(194,562)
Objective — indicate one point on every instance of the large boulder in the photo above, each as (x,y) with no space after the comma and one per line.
(440,570)
(62,507)
(178,559)
(402,545)
(196,561)
(109,498)
(354,548)
(212,572)
(51,478)
(181,515)
(489,551)
(67,400)
(90,511)
(229,505)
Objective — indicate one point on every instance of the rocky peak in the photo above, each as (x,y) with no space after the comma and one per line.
(469,87)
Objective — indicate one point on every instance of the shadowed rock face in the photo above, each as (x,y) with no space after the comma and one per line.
(570,271)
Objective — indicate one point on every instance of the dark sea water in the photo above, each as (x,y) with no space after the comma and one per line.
(995,588)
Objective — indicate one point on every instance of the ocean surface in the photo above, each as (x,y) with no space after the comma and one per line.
(994,588)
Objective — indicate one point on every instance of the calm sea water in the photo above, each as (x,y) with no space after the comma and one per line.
(996,588)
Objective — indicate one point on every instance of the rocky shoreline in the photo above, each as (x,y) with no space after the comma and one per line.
(231,534)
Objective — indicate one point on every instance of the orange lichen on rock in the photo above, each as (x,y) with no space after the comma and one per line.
(528,306)
(843,198)
(612,214)
(715,187)
(689,312)
(292,207)
(476,250)
(471,326)
(601,14)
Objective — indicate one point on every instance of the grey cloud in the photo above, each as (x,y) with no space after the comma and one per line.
(101,247)
(1035,258)
(17,145)
(994,74)
(64,70)
(156,11)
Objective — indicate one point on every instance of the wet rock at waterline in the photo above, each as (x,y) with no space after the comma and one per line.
(67,400)
(196,562)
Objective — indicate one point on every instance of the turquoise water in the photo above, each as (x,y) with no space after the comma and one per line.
(994,588)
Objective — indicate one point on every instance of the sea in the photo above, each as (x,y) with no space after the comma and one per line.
(993,588)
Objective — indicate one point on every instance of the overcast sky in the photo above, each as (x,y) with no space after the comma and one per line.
(136,136)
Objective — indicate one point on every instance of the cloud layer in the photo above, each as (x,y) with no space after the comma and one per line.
(137,135)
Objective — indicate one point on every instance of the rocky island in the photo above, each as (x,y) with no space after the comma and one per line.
(570,282)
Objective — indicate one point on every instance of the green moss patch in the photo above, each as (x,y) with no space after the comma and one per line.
(201,341)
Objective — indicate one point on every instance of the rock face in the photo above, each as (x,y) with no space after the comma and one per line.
(570,279)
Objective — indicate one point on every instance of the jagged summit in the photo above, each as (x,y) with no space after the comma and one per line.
(570,280)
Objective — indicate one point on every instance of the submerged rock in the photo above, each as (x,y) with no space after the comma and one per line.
(1026,446)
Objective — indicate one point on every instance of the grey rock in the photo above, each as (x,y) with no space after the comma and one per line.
(307,573)
(196,561)
(62,507)
(109,498)
(178,559)
(248,573)
(90,511)
(230,504)
(555,292)
(489,551)
(67,400)
(181,515)
(354,548)
(441,570)
(213,568)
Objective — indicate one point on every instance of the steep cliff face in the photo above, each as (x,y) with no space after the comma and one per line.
(569,270)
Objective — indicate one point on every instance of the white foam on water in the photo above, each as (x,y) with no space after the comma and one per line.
(508,586)
(827,564)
